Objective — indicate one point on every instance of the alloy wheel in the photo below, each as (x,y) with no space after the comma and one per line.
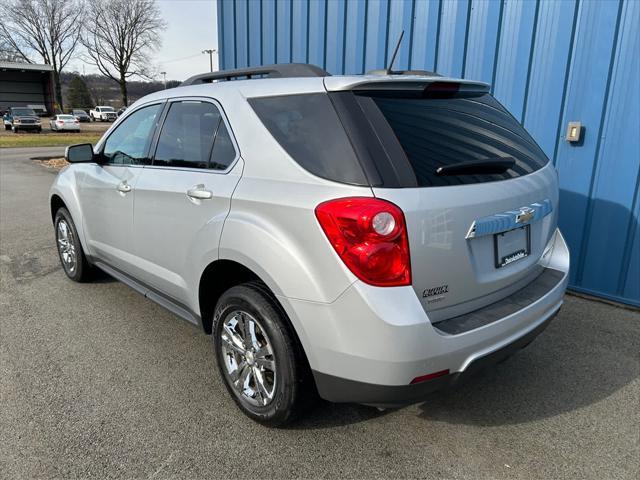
(247,353)
(66,246)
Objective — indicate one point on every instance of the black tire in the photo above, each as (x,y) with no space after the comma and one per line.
(7,127)
(14,129)
(79,270)
(292,388)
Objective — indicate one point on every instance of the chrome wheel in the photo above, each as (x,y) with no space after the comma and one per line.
(248,358)
(66,246)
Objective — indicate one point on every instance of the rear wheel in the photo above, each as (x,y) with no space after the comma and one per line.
(72,257)
(259,358)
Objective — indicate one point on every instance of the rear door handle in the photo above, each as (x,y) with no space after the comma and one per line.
(199,193)
(124,187)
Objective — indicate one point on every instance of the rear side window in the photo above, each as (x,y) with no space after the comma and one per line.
(308,128)
(438,133)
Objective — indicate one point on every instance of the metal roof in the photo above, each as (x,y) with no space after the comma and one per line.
(25,66)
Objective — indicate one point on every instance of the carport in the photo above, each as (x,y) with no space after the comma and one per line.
(26,84)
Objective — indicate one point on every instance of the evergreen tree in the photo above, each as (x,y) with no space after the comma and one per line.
(79,96)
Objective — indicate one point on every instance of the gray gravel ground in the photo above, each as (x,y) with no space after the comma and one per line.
(96,381)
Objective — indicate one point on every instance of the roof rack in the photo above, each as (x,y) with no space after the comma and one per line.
(281,70)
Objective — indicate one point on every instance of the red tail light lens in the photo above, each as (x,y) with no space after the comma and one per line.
(370,236)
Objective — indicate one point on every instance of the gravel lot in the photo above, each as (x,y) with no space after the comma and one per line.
(96,381)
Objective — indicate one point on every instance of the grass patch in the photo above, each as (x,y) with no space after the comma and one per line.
(47,139)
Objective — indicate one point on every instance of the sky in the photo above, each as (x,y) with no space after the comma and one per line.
(191,27)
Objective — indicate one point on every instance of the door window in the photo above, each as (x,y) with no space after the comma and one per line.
(130,141)
(194,135)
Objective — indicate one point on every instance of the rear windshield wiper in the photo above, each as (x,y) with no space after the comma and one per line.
(473,167)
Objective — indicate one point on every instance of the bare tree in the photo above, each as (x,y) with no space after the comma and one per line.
(49,29)
(123,34)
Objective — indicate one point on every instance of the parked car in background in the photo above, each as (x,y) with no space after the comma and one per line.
(103,113)
(22,118)
(369,237)
(40,110)
(81,115)
(64,122)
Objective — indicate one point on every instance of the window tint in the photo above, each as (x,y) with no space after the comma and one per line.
(441,132)
(308,128)
(187,137)
(130,141)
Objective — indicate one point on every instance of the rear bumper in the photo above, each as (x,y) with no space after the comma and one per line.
(368,345)
(339,390)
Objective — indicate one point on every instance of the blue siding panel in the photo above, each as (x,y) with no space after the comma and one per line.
(376,37)
(548,71)
(255,27)
(283,32)
(452,39)
(299,33)
(615,187)
(400,18)
(550,62)
(317,10)
(354,37)
(336,11)
(518,19)
(587,84)
(425,35)
(268,31)
(242,42)
(484,24)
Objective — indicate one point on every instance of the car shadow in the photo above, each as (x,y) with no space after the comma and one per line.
(587,354)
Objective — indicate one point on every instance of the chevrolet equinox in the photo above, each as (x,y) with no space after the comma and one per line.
(366,238)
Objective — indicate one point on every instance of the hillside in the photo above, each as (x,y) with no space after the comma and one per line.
(105,91)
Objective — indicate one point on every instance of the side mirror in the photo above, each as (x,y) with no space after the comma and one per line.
(81,153)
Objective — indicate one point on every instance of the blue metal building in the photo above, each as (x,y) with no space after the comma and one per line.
(549,62)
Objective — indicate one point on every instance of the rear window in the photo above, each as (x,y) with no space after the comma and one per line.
(437,133)
(308,128)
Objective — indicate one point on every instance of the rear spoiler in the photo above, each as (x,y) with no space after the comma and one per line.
(402,82)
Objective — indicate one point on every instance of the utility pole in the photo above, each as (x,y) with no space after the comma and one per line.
(210,51)
(164,79)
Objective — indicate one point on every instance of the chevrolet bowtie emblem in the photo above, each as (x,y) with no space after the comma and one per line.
(525,215)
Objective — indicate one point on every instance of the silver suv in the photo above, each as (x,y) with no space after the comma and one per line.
(369,238)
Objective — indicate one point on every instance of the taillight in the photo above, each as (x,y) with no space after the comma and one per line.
(370,236)
(59,121)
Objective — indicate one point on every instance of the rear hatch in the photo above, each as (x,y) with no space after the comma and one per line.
(478,194)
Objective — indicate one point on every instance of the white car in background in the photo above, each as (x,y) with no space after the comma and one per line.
(103,113)
(64,122)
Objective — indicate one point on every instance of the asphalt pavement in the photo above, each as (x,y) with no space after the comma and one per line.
(98,382)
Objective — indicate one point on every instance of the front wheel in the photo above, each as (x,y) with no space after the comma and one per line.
(72,257)
(258,356)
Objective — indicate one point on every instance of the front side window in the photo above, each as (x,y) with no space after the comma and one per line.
(194,135)
(130,141)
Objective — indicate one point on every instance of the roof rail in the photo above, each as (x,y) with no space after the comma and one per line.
(281,70)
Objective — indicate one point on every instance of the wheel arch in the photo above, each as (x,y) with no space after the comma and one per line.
(223,274)
(56,202)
